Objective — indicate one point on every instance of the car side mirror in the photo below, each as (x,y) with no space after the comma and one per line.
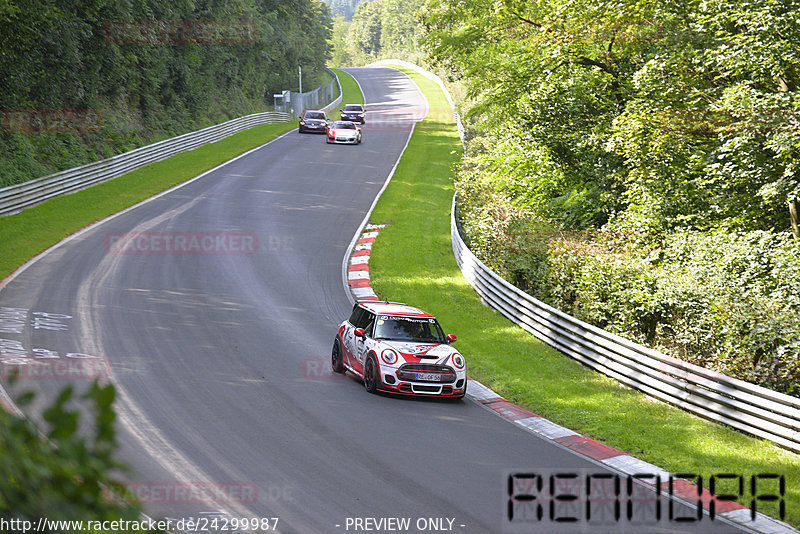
(451,338)
(359,332)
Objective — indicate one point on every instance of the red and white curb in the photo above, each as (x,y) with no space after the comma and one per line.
(359,282)
(358,267)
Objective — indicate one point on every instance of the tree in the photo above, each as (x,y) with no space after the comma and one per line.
(657,115)
(62,475)
(365,31)
(400,32)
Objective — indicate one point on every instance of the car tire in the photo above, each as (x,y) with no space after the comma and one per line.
(337,364)
(371,378)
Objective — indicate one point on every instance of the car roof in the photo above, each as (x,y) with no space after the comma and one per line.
(354,106)
(393,308)
(313,111)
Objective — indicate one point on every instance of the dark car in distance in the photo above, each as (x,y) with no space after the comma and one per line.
(313,120)
(354,113)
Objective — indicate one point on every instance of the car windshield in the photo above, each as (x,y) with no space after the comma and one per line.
(352,107)
(416,329)
(315,116)
(344,126)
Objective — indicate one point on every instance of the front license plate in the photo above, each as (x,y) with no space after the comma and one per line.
(432,377)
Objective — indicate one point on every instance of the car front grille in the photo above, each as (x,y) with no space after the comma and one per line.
(410,371)
(426,390)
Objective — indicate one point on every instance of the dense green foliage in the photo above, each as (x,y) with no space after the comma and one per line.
(62,475)
(650,115)
(379,29)
(633,163)
(150,69)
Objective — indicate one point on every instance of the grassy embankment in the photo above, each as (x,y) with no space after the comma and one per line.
(412,261)
(24,235)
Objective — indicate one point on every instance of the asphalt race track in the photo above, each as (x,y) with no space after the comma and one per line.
(221,358)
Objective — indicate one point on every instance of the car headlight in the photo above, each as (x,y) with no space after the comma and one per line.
(389,356)
(458,361)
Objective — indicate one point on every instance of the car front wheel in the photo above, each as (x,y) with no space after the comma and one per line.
(336,358)
(371,375)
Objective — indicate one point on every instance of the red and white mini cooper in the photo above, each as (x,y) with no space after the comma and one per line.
(399,349)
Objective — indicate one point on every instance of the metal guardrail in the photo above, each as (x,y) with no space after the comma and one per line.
(16,198)
(747,407)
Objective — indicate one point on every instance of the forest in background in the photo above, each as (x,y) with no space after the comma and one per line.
(343,9)
(636,164)
(379,29)
(87,79)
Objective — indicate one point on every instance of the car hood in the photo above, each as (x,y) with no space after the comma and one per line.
(433,353)
(314,121)
(343,132)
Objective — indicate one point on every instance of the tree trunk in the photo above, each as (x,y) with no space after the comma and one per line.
(794,216)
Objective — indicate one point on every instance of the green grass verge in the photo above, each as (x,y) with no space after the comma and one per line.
(412,261)
(25,234)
